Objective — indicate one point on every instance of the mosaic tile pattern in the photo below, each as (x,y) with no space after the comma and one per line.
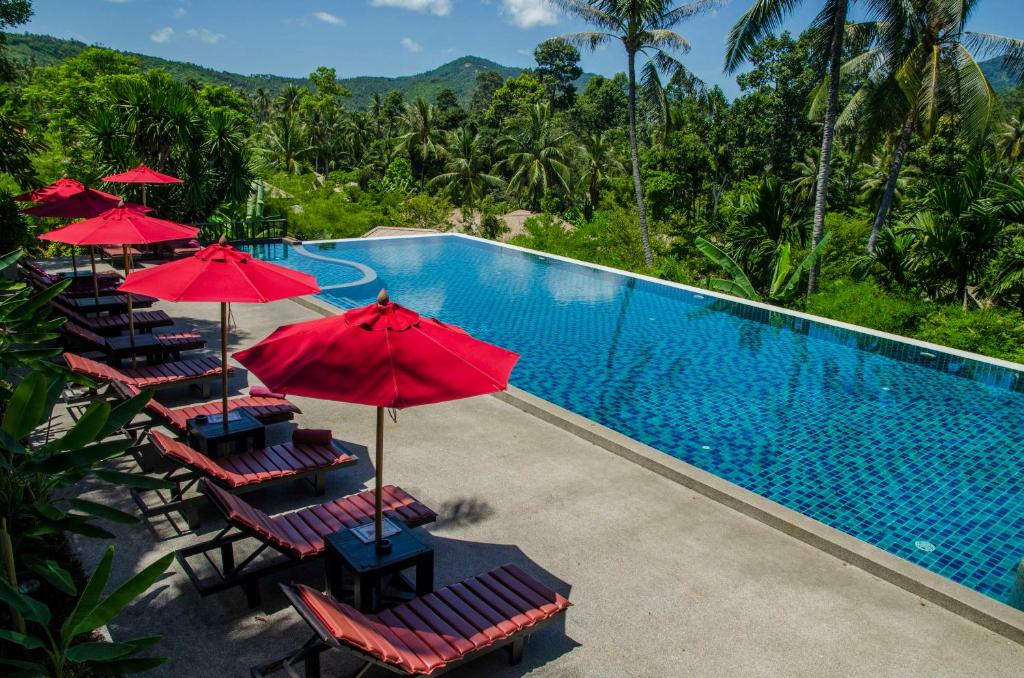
(916,452)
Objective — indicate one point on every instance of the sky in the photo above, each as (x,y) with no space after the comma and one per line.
(387,37)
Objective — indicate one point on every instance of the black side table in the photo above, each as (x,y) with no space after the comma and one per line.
(244,433)
(349,557)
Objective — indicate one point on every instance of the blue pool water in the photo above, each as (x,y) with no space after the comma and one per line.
(915,451)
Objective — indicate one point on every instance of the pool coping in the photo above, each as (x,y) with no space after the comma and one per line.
(948,350)
(941,591)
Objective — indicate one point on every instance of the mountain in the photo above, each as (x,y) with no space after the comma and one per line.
(458,75)
(998,75)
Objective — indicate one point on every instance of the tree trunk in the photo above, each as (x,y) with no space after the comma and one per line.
(890,184)
(825,161)
(638,188)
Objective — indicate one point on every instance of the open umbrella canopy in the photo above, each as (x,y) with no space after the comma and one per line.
(120,226)
(220,273)
(142,175)
(85,204)
(58,190)
(383,354)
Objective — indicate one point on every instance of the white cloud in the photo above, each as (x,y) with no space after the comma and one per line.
(438,7)
(411,45)
(162,35)
(328,18)
(179,12)
(529,13)
(204,35)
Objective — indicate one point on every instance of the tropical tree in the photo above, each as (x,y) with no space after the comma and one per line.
(1010,141)
(597,154)
(466,176)
(424,140)
(534,157)
(783,278)
(764,17)
(873,176)
(286,141)
(957,225)
(643,27)
(919,64)
(759,223)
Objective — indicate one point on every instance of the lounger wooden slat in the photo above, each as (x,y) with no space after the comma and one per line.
(428,635)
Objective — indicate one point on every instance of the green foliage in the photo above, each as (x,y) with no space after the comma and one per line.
(558,68)
(13,229)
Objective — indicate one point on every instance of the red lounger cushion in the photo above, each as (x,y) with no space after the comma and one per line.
(264,409)
(432,631)
(147,375)
(264,392)
(301,533)
(312,436)
(256,466)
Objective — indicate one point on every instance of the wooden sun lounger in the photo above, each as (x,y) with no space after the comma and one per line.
(106,303)
(431,634)
(297,536)
(113,325)
(199,371)
(155,347)
(267,409)
(237,473)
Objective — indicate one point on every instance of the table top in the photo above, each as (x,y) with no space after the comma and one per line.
(239,421)
(363,557)
(102,300)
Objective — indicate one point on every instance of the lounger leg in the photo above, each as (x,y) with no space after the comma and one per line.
(319,484)
(252,594)
(313,665)
(515,650)
(191,513)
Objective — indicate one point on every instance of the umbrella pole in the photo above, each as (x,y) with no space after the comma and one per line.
(95,280)
(224,362)
(143,195)
(131,316)
(383,545)
(74,264)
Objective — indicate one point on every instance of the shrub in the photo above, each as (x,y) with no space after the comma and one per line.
(867,305)
(994,332)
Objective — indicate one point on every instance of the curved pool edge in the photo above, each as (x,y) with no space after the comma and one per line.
(946,593)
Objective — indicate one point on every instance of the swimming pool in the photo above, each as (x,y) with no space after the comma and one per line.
(914,450)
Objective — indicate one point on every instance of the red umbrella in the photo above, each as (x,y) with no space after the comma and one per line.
(142,175)
(383,355)
(221,273)
(58,190)
(122,226)
(83,204)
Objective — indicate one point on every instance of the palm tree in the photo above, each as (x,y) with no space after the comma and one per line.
(534,157)
(643,27)
(919,64)
(466,176)
(763,17)
(956,225)
(424,140)
(597,154)
(1010,141)
(873,177)
(806,181)
(285,141)
(782,277)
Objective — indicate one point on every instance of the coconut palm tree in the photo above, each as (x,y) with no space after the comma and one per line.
(285,141)
(643,27)
(466,175)
(534,157)
(806,181)
(764,17)
(424,139)
(598,160)
(1010,141)
(919,64)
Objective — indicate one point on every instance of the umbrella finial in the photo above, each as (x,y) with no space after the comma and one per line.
(223,239)
(120,203)
(382,297)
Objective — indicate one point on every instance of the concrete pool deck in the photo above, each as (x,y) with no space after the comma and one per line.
(664,580)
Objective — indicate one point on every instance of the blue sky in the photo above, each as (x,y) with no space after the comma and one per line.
(384,37)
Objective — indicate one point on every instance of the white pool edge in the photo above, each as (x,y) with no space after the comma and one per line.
(948,350)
